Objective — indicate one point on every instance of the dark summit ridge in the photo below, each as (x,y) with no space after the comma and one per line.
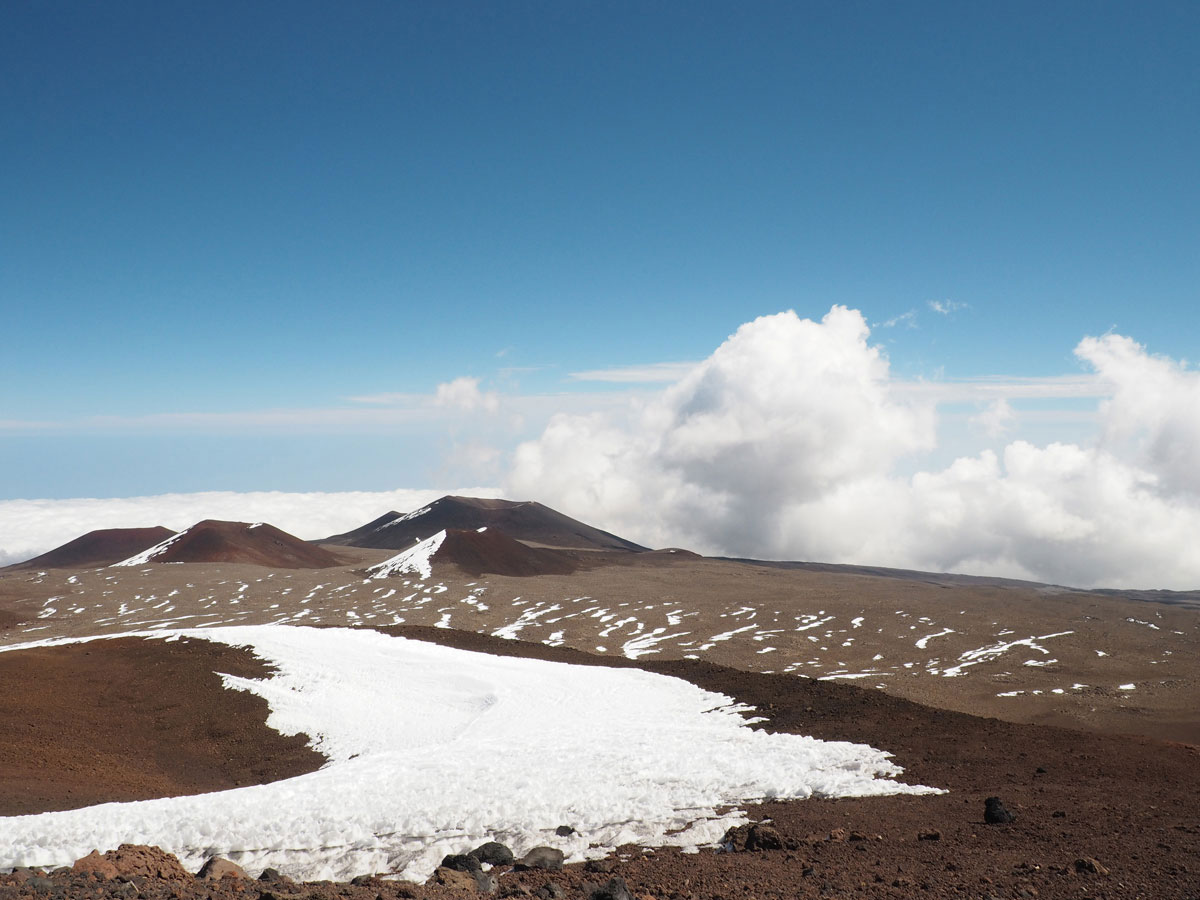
(351,538)
(526,521)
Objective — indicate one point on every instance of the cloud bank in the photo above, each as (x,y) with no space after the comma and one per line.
(31,527)
(785,443)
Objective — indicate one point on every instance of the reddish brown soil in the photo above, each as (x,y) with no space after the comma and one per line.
(99,548)
(523,520)
(1129,803)
(133,719)
(10,619)
(237,542)
(492,552)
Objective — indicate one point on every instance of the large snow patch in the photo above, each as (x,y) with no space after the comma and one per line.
(434,750)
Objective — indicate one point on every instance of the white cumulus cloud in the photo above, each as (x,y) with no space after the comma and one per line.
(784,444)
(464,393)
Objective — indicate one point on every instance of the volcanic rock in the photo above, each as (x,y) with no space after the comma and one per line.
(493,853)
(994,812)
(542,858)
(461,862)
(1088,864)
(217,868)
(274,876)
(756,836)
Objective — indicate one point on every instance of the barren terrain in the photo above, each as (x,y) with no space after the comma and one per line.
(967,682)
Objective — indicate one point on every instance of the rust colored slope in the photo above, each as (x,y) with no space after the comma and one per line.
(492,552)
(99,548)
(238,542)
(134,719)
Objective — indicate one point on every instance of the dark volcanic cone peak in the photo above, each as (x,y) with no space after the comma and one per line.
(99,548)
(350,538)
(527,521)
(258,544)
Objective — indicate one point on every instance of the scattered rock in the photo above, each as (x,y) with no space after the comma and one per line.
(934,835)
(493,853)
(454,878)
(542,858)
(486,882)
(614,889)
(274,876)
(756,837)
(551,890)
(40,883)
(1090,865)
(838,835)
(564,831)
(601,866)
(462,862)
(994,812)
(94,864)
(217,868)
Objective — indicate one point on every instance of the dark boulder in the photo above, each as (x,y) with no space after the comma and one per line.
(994,812)
(461,862)
(493,853)
(755,837)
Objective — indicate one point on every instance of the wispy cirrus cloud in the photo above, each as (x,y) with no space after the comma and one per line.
(946,307)
(907,319)
(648,373)
(986,388)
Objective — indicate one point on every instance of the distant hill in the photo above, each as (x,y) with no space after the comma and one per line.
(98,548)
(526,521)
(259,544)
(492,552)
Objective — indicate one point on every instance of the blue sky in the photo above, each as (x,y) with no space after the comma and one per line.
(222,223)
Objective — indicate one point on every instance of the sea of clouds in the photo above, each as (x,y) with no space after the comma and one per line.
(794,440)
(31,527)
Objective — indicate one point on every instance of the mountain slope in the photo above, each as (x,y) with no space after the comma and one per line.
(99,548)
(484,551)
(259,544)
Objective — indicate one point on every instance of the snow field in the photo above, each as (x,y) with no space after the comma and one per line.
(434,750)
